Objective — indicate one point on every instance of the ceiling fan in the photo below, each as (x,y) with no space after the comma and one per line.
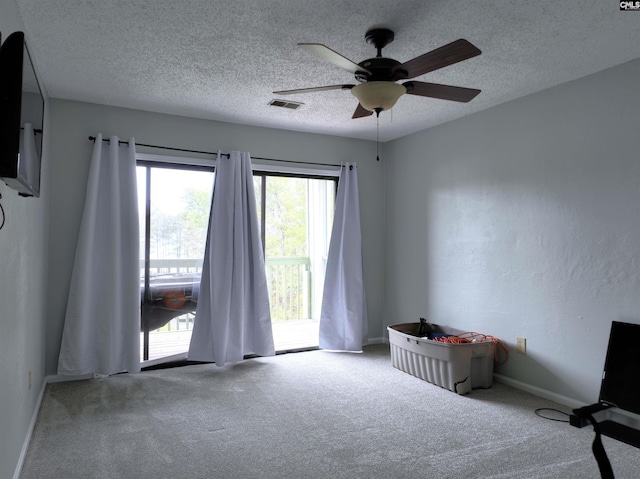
(377,89)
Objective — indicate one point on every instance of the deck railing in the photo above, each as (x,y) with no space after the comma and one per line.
(288,282)
(159,266)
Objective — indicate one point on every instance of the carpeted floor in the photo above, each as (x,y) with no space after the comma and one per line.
(315,414)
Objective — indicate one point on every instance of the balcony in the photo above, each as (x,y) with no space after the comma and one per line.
(172,297)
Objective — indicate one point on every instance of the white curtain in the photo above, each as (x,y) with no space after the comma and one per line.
(102,325)
(233,318)
(29,164)
(343,317)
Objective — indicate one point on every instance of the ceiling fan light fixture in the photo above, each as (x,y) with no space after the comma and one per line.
(378,95)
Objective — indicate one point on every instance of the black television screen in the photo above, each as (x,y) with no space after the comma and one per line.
(621,377)
(21,118)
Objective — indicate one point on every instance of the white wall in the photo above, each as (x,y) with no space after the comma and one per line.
(74,122)
(523,220)
(23,274)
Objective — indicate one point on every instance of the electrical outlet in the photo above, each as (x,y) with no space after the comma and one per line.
(521,345)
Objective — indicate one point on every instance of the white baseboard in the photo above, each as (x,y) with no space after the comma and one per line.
(61,378)
(32,425)
(536,391)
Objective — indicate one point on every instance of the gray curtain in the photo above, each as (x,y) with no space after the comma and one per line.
(343,317)
(102,324)
(233,317)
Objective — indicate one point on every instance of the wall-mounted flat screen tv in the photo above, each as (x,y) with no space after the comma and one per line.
(21,118)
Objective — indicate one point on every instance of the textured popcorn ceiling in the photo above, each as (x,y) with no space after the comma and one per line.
(222,60)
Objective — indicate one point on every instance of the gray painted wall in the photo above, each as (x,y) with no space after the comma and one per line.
(23,275)
(523,220)
(74,122)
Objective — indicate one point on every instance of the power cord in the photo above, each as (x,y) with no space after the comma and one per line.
(557,411)
(2,211)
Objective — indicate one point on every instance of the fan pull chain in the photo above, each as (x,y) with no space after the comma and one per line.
(377,135)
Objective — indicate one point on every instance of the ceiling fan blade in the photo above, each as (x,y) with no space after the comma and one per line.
(314,89)
(361,112)
(334,57)
(442,92)
(441,57)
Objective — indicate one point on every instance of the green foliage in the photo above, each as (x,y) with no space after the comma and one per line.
(195,219)
(181,234)
(286,217)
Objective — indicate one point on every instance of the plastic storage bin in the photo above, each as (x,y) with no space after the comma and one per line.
(456,367)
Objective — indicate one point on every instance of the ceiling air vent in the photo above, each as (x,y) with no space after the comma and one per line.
(291,105)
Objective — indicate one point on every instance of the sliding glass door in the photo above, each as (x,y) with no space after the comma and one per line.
(297,214)
(174,207)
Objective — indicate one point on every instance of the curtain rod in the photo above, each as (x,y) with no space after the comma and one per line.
(124,142)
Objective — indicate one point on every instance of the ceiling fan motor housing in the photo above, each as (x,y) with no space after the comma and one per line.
(382,69)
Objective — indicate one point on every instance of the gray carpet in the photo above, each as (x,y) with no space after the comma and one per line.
(305,415)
